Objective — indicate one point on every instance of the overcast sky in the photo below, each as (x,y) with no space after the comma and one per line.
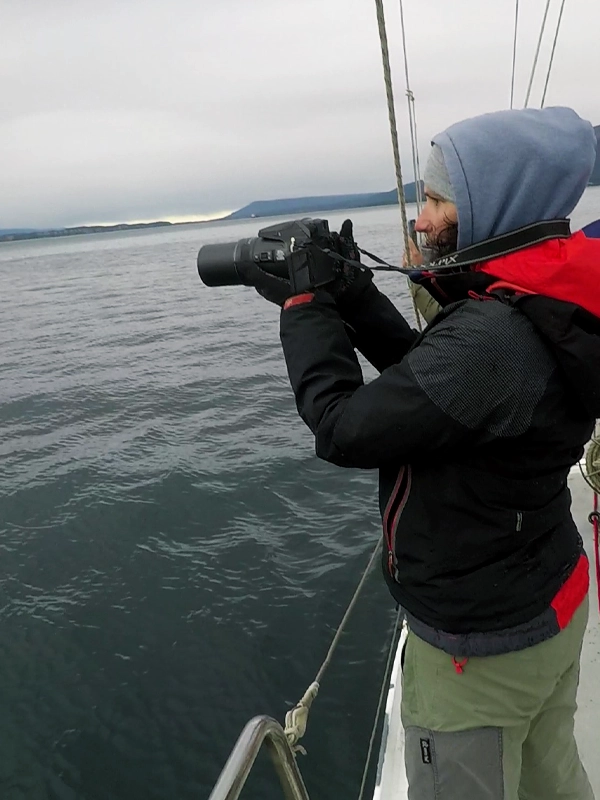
(131,110)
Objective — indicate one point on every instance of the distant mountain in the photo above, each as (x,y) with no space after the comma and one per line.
(595,179)
(332,202)
(264,208)
(337,202)
(14,234)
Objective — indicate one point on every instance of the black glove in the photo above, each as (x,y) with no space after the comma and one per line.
(275,290)
(351,279)
(348,283)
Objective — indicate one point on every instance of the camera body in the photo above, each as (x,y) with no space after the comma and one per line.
(298,250)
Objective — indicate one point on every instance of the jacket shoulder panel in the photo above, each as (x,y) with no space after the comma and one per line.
(485,365)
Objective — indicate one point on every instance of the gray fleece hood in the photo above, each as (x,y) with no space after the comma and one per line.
(513,168)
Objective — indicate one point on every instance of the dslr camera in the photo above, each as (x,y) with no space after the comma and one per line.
(303,251)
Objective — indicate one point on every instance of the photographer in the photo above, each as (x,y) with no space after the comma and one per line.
(473,427)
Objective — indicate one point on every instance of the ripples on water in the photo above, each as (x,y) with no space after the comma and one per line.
(174,557)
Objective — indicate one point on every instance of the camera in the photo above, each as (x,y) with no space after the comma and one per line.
(305,244)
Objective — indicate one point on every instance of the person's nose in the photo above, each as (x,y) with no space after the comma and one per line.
(423,223)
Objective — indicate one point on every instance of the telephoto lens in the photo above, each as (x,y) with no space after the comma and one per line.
(218,263)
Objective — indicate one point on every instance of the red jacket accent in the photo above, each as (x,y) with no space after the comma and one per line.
(572,593)
(298,299)
(564,269)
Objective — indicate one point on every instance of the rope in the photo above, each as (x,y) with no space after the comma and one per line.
(387,76)
(592,464)
(384,687)
(562,8)
(537,53)
(514,58)
(296,718)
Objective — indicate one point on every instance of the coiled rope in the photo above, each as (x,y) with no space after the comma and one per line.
(592,463)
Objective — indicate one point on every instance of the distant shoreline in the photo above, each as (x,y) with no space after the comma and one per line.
(82,230)
(256,210)
(292,207)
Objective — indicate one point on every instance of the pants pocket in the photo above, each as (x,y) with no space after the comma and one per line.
(463,765)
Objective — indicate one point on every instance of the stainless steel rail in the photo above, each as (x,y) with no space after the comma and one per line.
(260,730)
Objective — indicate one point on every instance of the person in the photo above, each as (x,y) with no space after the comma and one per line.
(474,426)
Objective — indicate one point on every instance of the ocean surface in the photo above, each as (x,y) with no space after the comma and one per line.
(174,558)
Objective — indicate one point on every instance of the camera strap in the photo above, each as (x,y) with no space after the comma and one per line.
(463,260)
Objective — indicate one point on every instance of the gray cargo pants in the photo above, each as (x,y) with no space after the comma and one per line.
(500,730)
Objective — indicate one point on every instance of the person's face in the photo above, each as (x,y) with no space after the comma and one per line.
(437,216)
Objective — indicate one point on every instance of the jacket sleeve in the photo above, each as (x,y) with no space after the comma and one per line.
(377,329)
(454,389)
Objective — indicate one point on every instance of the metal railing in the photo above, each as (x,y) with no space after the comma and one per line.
(236,770)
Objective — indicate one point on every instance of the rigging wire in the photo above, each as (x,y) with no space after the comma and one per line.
(562,8)
(537,53)
(412,116)
(514,58)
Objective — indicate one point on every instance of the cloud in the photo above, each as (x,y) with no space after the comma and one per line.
(124,110)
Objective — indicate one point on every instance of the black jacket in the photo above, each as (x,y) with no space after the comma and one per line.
(473,428)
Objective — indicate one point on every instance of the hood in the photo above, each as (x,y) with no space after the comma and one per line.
(510,169)
(556,284)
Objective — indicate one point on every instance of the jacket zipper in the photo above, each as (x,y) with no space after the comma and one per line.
(393,512)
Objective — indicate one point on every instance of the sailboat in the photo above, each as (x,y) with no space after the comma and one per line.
(584,483)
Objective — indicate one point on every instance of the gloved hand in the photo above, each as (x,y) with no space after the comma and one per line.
(346,287)
(275,290)
(352,279)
